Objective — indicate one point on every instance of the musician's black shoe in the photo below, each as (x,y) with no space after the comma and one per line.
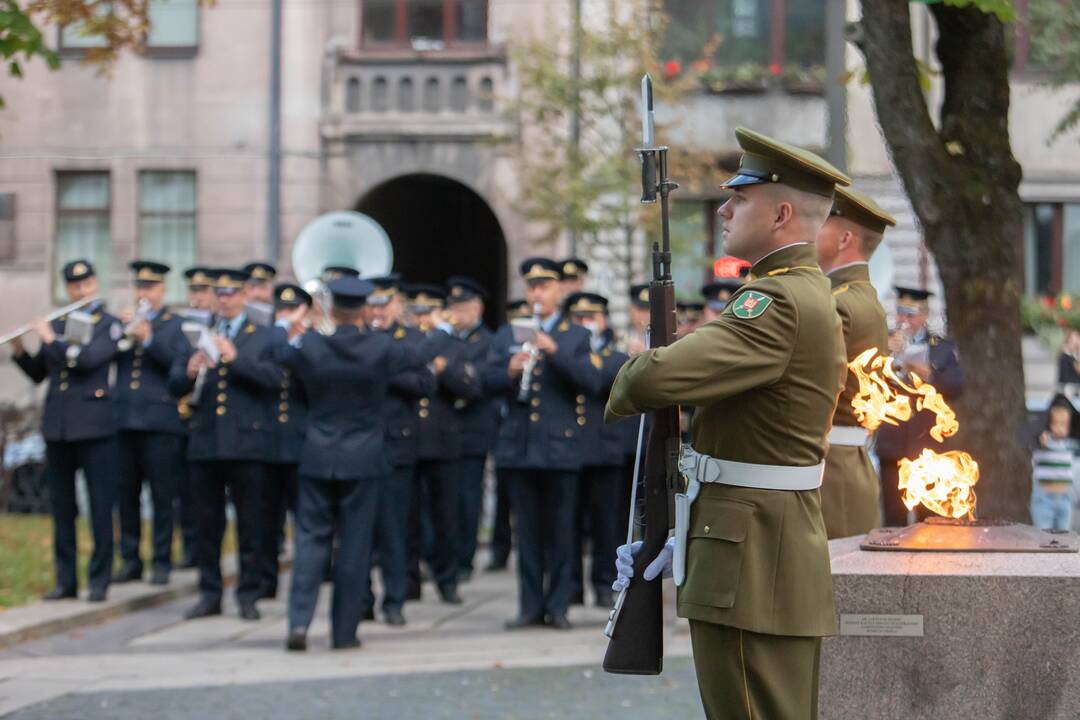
(159,576)
(524,622)
(128,572)
(97,594)
(60,593)
(268,592)
(204,608)
(369,614)
(449,595)
(496,566)
(464,575)
(559,622)
(297,641)
(394,617)
(188,560)
(248,611)
(345,644)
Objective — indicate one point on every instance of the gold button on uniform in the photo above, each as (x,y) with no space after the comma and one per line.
(221,411)
(222,397)
(63,386)
(222,371)
(134,385)
(284,396)
(136,373)
(580,409)
(283,407)
(706,528)
(536,387)
(580,399)
(99,393)
(424,412)
(581,421)
(535,402)
(424,402)
(64,373)
(222,384)
(534,417)
(283,418)
(537,372)
(568,433)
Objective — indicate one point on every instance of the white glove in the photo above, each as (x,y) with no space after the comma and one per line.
(624,563)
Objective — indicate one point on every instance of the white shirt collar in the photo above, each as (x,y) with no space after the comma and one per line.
(847,265)
(785,247)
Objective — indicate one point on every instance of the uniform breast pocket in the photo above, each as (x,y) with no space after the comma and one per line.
(715,549)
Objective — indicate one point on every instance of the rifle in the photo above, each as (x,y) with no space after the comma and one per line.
(636,645)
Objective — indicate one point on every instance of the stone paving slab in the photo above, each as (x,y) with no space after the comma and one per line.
(156,651)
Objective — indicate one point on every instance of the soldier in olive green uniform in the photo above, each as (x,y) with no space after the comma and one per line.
(764,377)
(850,492)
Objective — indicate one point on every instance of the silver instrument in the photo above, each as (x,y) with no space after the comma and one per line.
(259,313)
(54,315)
(78,331)
(525,387)
(344,238)
(142,311)
(202,339)
(613,616)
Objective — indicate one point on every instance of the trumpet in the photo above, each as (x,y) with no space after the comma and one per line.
(530,365)
(54,315)
(142,311)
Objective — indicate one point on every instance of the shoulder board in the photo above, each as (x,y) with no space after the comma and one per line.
(96,317)
(606,352)
(249,328)
(475,337)
(595,360)
(785,270)
(934,340)
(841,290)
(400,333)
(563,326)
(166,317)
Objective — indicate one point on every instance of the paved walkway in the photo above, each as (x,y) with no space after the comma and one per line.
(452,662)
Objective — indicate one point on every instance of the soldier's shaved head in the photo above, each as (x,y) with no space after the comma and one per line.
(759,219)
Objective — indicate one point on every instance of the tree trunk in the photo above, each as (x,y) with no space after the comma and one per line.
(963,183)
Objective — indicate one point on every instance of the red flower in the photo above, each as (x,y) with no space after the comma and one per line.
(672,68)
(1047,302)
(775,68)
(1066,302)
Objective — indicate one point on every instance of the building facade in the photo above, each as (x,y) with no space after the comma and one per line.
(397,108)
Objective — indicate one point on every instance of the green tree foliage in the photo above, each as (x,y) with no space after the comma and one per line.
(21,40)
(1054,29)
(591,188)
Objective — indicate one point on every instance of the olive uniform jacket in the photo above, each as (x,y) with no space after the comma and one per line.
(78,404)
(850,492)
(764,376)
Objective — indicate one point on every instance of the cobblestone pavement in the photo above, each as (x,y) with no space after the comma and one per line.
(448,662)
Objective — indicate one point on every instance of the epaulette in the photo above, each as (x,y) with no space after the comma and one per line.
(595,360)
(400,333)
(249,328)
(563,326)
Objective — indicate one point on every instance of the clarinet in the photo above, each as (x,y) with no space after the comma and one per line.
(128,340)
(534,355)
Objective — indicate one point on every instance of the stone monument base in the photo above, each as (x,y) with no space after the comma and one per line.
(980,636)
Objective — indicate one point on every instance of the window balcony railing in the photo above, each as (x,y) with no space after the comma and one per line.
(412,93)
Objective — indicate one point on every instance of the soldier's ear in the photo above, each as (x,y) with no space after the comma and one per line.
(784,213)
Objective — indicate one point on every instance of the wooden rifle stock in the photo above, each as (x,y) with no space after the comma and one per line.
(637,643)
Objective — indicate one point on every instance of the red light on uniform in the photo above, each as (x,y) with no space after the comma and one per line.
(729,267)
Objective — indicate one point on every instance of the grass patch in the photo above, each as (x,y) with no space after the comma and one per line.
(26,555)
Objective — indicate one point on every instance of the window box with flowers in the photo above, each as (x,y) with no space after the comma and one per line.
(803,80)
(1050,318)
(743,78)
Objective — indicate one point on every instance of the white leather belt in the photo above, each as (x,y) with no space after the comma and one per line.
(844,435)
(706,469)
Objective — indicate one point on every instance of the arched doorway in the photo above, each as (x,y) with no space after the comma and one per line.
(439,227)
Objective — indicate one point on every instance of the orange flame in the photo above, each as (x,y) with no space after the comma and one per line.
(877,401)
(943,482)
(945,423)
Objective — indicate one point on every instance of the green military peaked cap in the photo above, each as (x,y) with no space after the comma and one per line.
(858,207)
(766,160)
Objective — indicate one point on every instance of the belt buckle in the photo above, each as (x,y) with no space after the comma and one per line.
(688,461)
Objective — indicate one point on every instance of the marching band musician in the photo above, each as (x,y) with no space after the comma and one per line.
(79,431)
(539,444)
(260,283)
(396,489)
(465,312)
(292,305)
(440,446)
(200,289)
(230,436)
(637,339)
(604,476)
(345,376)
(151,433)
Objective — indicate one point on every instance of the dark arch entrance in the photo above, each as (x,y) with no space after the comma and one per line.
(439,228)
